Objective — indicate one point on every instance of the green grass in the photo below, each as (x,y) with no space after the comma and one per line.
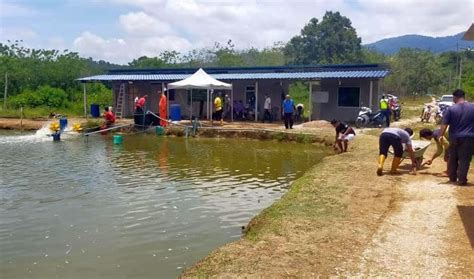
(40,112)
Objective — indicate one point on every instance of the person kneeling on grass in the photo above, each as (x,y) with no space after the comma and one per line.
(442,144)
(344,134)
(395,137)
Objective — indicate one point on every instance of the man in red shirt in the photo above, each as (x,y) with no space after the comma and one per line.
(109,117)
(141,102)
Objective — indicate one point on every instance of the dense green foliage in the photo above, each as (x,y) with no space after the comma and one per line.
(331,41)
(45,79)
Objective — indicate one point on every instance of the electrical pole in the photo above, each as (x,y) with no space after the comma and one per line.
(5,92)
(460,73)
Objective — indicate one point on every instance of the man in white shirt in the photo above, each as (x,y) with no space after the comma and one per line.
(267,109)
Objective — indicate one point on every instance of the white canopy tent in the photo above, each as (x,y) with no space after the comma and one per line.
(201,80)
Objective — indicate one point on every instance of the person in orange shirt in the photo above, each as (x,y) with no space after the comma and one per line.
(163,110)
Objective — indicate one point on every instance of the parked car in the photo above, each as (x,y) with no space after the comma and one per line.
(446,100)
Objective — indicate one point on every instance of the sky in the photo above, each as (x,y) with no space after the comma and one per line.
(122,30)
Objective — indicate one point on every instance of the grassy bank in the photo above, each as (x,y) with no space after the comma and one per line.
(316,228)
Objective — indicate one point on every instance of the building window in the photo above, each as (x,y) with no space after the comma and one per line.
(348,96)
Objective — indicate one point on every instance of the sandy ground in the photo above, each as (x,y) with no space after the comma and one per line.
(389,226)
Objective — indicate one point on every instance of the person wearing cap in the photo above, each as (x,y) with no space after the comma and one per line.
(344,134)
(288,109)
(163,108)
(395,137)
(139,112)
(460,120)
(267,109)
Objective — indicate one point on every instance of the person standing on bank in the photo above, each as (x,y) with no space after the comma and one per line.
(460,119)
(218,109)
(288,109)
(267,109)
(227,107)
(163,107)
(395,137)
(385,109)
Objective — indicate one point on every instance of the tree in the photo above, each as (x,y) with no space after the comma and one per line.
(331,41)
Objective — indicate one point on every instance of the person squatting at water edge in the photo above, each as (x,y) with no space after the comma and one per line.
(442,145)
(395,137)
(344,134)
(460,120)
(109,117)
(288,109)
(139,112)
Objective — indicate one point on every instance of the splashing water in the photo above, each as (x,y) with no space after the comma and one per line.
(43,134)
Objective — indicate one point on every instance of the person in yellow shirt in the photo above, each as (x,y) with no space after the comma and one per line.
(218,109)
(385,109)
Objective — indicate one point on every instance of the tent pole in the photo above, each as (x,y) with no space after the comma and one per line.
(232,102)
(191,105)
(85,100)
(256,101)
(207,105)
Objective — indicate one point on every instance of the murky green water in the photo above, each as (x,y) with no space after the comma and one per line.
(146,209)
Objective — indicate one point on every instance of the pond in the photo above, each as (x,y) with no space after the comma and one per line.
(148,208)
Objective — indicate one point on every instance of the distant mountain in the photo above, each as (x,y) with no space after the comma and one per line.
(433,44)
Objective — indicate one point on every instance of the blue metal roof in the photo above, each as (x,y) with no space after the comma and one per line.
(362,73)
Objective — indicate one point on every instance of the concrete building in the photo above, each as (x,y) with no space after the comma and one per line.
(336,91)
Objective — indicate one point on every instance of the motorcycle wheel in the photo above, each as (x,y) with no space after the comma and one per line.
(359,123)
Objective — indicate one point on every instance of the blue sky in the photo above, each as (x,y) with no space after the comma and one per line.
(120,30)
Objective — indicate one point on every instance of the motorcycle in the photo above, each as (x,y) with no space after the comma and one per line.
(397,112)
(367,118)
(440,112)
(426,113)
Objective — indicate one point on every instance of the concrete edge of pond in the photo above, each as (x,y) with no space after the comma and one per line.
(318,228)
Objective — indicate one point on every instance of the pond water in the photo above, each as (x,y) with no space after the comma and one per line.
(148,208)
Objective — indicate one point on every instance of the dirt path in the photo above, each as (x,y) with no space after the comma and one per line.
(424,234)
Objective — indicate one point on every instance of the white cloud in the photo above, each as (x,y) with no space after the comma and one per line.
(120,50)
(141,23)
(156,25)
(14,10)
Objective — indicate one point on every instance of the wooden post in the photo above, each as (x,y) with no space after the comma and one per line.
(85,100)
(21,119)
(232,102)
(310,100)
(256,101)
(5,92)
(371,94)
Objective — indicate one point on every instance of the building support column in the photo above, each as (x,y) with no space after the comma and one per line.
(310,100)
(85,99)
(371,92)
(256,101)
(232,102)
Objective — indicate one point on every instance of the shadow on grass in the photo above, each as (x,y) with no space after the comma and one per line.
(467,217)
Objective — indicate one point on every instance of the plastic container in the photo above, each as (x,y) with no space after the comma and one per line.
(175,112)
(62,123)
(159,130)
(56,136)
(118,139)
(95,110)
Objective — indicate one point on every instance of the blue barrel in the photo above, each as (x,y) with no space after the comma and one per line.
(175,112)
(62,123)
(95,110)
